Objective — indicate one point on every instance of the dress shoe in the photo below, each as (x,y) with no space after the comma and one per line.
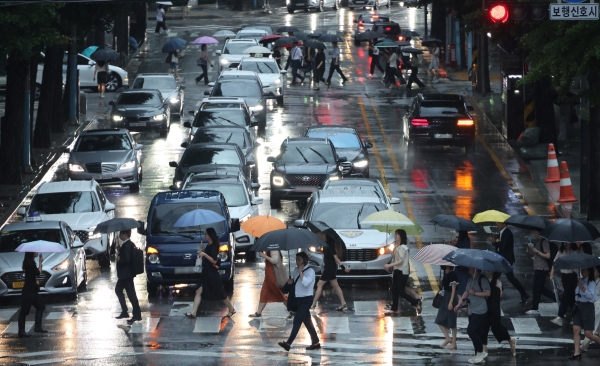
(284,345)
(24,335)
(40,330)
(574,357)
(122,316)
(314,346)
(133,320)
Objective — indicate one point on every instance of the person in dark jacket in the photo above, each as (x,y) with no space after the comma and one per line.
(505,246)
(125,279)
(319,68)
(30,295)
(412,64)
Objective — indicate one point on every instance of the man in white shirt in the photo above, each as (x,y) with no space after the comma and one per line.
(296,63)
(335,64)
(304,282)
(160,20)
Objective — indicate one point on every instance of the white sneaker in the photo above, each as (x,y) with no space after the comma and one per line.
(472,360)
(585,344)
(532,312)
(557,321)
(480,357)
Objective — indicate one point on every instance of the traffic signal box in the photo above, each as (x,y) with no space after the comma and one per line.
(504,11)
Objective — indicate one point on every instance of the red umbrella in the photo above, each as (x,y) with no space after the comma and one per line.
(270,38)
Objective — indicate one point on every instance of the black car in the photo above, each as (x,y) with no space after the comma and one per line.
(301,167)
(198,173)
(169,87)
(210,154)
(348,144)
(440,119)
(319,5)
(390,30)
(141,110)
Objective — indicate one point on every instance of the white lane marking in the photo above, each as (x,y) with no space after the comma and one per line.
(462,323)
(366,308)
(6,314)
(147,325)
(48,360)
(335,325)
(402,326)
(272,324)
(33,354)
(549,309)
(210,324)
(460,336)
(289,358)
(56,315)
(182,307)
(525,326)
(13,328)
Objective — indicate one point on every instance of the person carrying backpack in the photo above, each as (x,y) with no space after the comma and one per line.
(494,316)
(125,275)
(543,257)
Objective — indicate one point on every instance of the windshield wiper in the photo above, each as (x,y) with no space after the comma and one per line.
(358,216)
(303,157)
(229,138)
(321,156)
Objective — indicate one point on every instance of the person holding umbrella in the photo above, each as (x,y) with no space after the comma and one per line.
(446,317)
(277,55)
(101,70)
(505,244)
(462,273)
(173,60)
(413,66)
(494,315)
(435,61)
(374,53)
(334,53)
(331,261)
(319,68)
(30,295)
(296,55)
(569,281)
(203,62)
(270,290)
(584,317)
(540,251)
(125,279)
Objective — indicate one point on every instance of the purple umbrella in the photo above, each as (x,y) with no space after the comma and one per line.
(205,40)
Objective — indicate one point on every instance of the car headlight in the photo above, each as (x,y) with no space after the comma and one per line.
(361,163)
(389,249)
(224,61)
(153,258)
(278,81)
(117,118)
(91,235)
(126,80)
(128,165)
(75,168)
(257,108)
(174,100)
(64,265)
(278,181)
(223,252)
(160,117)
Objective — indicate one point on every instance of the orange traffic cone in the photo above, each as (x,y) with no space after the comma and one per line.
(566,189)
(553,174)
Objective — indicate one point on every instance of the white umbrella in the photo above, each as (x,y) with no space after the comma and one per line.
(224,33)
(257,49)
(168,3)
(41,246)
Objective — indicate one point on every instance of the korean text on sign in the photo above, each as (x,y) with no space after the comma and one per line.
(574,12)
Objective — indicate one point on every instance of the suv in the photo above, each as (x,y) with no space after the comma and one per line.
(319,5)
(362,184)
(82,205)
(365,22)
(219,111)
(269,74)
(439,119)
(390,30)
(375,4)
(233,52)
(301,167)
(169,87)
(343,210)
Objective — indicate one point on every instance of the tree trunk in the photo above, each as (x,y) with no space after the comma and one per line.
(49,112)
(65,96)
(12,124)
(593,212)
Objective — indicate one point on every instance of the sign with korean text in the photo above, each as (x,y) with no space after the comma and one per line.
(574,10)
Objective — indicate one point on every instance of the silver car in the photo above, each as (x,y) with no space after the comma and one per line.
(63,273)
(110,156)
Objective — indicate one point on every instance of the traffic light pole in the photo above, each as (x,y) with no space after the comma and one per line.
(483,80)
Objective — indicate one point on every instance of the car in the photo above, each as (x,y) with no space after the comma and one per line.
(209,154)
(271,77)
(347,143)
(266,28)
(439,119)
(80,204)
(361,183)
(233,52)
(241,202)
(319,5)
(301,168)
(110,156)
(375,4)
(141,110)
(364,22)
(63,272)
(367,249)
(221,111)
(169,87)
(389,30)
(251,33)
(215,170)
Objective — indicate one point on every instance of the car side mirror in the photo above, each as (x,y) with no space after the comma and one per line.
(142,228)
(184,144)
(207,92)
(173,164)
(341,159)
(77,243)
(271,159)
(173,187)
(211,84)
(257,201)
(109,206)
(187,124)
(250,162)
(111,103)
(283,72)
(470,108)
(191,113)
(218,52)
(139,146)
(368,145)
(299,223)
(235,225)
(22,211)
(395,201)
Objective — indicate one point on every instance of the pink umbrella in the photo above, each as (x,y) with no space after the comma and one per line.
(434,253)
(205,40)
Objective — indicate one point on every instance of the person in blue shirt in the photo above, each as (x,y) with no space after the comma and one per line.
(584,317)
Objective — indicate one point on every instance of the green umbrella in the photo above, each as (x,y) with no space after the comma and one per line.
(386,44)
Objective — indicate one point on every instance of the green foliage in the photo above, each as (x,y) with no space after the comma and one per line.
(90,16)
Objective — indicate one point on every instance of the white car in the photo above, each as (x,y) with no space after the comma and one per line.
(221,111)
(82,205)
(241,201)
(252,33)
(375,4)
(361,183)
(233,52)
(271,77)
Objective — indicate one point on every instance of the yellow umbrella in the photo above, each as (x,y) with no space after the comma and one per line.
(490,216)
(259,225)
(389,220)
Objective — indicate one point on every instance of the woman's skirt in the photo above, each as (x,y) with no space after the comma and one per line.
(446,318)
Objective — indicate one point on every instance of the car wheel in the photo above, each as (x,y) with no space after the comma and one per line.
(114,82)
(375,7)
(164,130)
(104,261)
(320,9)
(366,174)
(306,10)
(291,11)
(412,147)
(275,201)
(83,285)
(280,100)
(152,289)
(135,187)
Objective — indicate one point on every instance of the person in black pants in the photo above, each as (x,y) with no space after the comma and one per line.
(505,246)
(569,282)
(288,62)
(335,64)
(330,267)
(30,295)
(125,279)
(413,66)
(374,51)
(494,317)
(540,250)
(319,68)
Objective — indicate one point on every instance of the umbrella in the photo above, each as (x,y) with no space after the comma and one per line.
(430,42)
(386,44)
(576,261)
(168,3)
(330,38)
(490,216)
(402,44)
(526,222)
(570,231)
(313,43)
(454,222)
(316,34)
(88,51)
(224,33)
(284,41)
(369,35)
(205,40)
(116,224)
(198,217)
(483,260)
(321,227)
(287,28)
(408,33)
(270,38)
(257,49)
(260,225)
(173,45)
(388,220)
(302,36)
(434,253)
(104,54)
(412,50)
(41,246)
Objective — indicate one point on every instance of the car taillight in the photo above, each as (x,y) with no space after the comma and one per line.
(374,16)
(400,38)
(419,122)
(464,122)
(388,28)
(360,27)
(203,105)
(360,22)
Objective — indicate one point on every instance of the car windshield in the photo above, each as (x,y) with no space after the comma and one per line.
(306,154)
(63,203)
(220,118)
(235,195)
(261,67)
(237,88)
(251,35)
(103,143)
(209,156)
(340,140)
(344,215)
(10,240)
(379,18)
(441,108)
(139,99)
(160,83)
(237,48)
(165,216)
(220,136)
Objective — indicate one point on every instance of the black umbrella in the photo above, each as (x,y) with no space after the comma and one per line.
(483,260)
(316,33)
(104,54)
(368,35)
(116,224)
(576,261)
(430,42)
(330,38)
(454,222)
(302,36)
(286,41)
(402,43)
(570,231)
(313,43)
(412,50)
(321,227)
(287,28)
(408,33)
(527,222)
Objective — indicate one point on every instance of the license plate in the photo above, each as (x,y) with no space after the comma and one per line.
(103,176)
(300,4)
(20,284)
(138,124)
(442,136)
(184,270)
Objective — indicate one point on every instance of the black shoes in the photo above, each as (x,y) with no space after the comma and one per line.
(122,316)
(286,346)
(133,320)
(313,346)
(24,335)
(40,330)
(573,357)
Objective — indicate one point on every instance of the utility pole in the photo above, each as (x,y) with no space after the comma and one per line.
(584,178)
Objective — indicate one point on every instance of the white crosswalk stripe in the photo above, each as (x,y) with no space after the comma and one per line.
(526,326)
(13,328)
(147,325)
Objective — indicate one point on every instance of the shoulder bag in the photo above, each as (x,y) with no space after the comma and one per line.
(437,300)
(290,289)
(281,275)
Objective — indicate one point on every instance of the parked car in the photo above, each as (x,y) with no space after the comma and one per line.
(364,22)
(169,87)
(319,5)
(233,52)
(80,204)
(375,4)
(141,110)
(361,183)
(271,77)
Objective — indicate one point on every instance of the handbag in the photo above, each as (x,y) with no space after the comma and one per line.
(281,275)
(437,300)
(290,289)
(198,266)
(201,62)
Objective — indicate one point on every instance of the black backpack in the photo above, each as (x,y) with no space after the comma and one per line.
(137,264)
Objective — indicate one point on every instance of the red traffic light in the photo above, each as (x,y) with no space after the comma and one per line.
(498,13)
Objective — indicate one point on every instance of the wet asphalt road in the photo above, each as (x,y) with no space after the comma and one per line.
(436,180)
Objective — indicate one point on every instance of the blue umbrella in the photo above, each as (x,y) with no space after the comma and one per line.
(174,45)
(88,51)
(198,217)
(483,260)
